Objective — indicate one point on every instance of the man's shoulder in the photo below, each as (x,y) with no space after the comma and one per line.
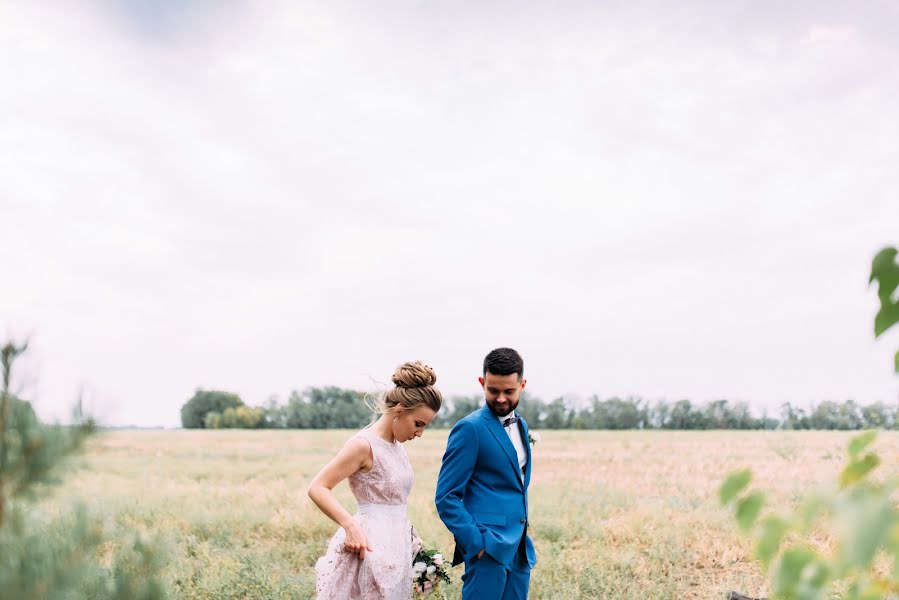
(473,414)
(469,421)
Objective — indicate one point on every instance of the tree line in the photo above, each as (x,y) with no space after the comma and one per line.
(338,408)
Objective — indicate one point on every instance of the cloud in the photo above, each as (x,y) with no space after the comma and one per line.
(830,34)
(263,197)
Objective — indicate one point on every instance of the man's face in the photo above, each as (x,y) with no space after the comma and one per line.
(502,392)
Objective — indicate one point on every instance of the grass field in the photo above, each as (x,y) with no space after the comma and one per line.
(615,515)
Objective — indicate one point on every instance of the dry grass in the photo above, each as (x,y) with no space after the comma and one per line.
(616,515)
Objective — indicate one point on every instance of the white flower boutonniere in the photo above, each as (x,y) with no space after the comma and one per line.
(533,438)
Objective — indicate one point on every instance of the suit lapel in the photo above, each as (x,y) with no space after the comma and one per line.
(527,446)
(502,437)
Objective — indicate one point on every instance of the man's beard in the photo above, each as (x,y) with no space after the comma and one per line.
(511,407)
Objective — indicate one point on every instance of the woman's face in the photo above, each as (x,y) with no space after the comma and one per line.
(410,424)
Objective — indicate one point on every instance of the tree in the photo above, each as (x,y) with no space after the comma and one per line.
(328,407)
(625,414)
(740,417)
(793,417)
(530,408)
(683,416)
(248,417)
(659,415)
(876,416)
(193,413)
(718,414)
(337,407)
(557,416)
(274,416)
(213,420)
(62,565)
(229,418)
(297,413)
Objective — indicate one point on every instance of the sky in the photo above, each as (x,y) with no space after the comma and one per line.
(647,199)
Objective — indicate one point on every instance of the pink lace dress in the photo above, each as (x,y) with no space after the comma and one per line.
(381,493)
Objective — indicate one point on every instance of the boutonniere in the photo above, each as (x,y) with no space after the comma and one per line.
(533,438)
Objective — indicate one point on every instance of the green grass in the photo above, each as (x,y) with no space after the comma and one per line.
(615,515)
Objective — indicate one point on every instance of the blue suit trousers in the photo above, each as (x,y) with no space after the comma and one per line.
(486,579)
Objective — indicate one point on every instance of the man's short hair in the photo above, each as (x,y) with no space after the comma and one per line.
(504,361)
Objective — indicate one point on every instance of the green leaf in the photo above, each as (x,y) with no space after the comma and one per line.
(818,574)
(894,547)
(733,485)
(876,590)
(857,470)
(814,505)
(886,317)
(748,509)
(865,520)
(885,270)
(789,570)
(772,534)
(860,442)
(814,577)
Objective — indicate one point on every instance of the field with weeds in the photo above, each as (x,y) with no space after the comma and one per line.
(615,515)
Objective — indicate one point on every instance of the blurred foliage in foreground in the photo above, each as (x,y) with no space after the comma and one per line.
(859,516)
(55,558)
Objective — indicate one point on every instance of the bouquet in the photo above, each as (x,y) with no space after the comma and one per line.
(427,571)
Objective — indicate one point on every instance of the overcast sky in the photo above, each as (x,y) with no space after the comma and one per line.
(658,199)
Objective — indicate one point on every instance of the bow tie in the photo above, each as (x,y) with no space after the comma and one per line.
(510,421)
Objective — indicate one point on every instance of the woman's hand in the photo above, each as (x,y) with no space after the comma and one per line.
(355,541)
(417,543)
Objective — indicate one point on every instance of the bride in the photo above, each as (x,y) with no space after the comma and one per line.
(370,556)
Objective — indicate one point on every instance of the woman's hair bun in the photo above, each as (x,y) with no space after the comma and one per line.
(414,375)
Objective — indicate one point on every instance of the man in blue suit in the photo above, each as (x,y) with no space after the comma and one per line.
(482,489)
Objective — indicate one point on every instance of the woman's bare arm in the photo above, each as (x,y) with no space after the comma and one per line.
(354,456)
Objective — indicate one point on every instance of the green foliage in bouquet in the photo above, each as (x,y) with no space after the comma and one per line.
(54,559)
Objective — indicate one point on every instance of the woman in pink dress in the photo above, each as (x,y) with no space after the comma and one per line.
(370,556)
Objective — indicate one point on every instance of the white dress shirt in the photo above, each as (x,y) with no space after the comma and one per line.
(514,433)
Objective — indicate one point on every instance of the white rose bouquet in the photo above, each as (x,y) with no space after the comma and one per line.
(427,572)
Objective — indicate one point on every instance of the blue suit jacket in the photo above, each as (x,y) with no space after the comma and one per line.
(480,496)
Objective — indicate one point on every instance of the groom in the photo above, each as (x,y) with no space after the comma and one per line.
(482,489)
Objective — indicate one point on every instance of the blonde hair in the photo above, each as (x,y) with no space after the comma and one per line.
(413,386)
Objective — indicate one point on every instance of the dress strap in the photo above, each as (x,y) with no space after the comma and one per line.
(371,436)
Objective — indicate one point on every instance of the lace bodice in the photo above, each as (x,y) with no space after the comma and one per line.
(390,478)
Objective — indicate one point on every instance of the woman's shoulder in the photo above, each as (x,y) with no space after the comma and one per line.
(357,441)
(360,442)
(360,449)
